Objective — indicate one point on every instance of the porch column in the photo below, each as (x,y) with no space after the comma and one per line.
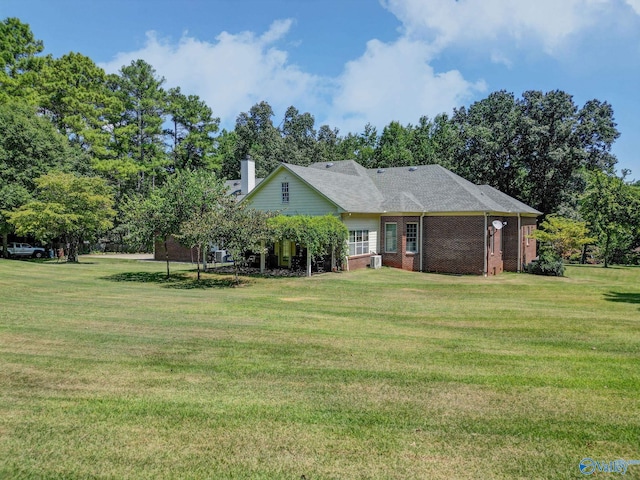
(308,263)
(263,252)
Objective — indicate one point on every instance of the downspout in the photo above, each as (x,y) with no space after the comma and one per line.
(519,268)
(486,246)
(421,239)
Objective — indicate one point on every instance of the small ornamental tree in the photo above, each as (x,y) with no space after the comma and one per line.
(241,230)
(565,236)
(207,221)
(167,208)
(68,207)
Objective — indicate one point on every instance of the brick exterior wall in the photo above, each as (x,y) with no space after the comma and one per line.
(359,261)
(510,244)
(401,258)
(528,246)
(177,252)
(454,244)
(495,246)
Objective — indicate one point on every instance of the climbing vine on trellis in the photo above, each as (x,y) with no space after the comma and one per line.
(321,235)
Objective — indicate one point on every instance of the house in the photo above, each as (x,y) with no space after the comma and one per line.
(420,218)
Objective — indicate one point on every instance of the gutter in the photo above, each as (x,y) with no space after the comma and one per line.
(421,238)
(519,267)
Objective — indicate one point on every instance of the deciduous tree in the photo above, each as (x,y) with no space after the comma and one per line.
(165,209)
(394,146)
(66,206)
(360,147)
(610,207)
(206,222)
(30,147)
(299,138)
(242,230)
(492,133)
(258,138)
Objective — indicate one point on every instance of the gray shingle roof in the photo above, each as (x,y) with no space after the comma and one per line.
(504,199)
(425,188)
(353,190)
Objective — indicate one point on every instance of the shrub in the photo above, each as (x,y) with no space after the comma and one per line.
(548,263)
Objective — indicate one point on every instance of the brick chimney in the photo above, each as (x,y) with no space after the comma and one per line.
(247,175)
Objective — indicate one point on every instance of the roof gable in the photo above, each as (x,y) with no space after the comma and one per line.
(306,198)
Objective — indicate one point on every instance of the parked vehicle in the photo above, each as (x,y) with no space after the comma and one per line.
(17,249)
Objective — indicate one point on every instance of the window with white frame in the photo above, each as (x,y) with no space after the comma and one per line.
(358,242)
(412,238)
(390,237)
(285,192)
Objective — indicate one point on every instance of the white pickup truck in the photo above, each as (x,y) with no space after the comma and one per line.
(17,249)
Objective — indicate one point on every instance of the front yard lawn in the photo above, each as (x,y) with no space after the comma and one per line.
(108,370)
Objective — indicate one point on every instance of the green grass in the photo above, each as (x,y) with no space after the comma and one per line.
(107,370)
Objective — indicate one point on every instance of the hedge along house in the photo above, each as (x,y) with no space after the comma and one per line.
(421,218)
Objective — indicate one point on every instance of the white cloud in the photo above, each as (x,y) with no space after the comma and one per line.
(231,74)
(391,81)
(396,82)
(465,22)
(635,5)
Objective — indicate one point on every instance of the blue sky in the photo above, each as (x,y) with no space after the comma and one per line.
(350,62)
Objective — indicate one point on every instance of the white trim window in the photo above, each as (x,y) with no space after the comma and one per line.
(412,238)
(358,242)
(390,237)
(285,192)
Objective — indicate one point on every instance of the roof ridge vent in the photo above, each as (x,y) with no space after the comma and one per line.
(413,169)
(381,170)
(329,165)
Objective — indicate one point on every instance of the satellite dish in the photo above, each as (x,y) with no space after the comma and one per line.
(497,224)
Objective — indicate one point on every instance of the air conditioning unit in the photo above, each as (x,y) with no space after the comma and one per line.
(219,255)
(376,261)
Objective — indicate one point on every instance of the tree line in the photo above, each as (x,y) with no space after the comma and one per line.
(67,115)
